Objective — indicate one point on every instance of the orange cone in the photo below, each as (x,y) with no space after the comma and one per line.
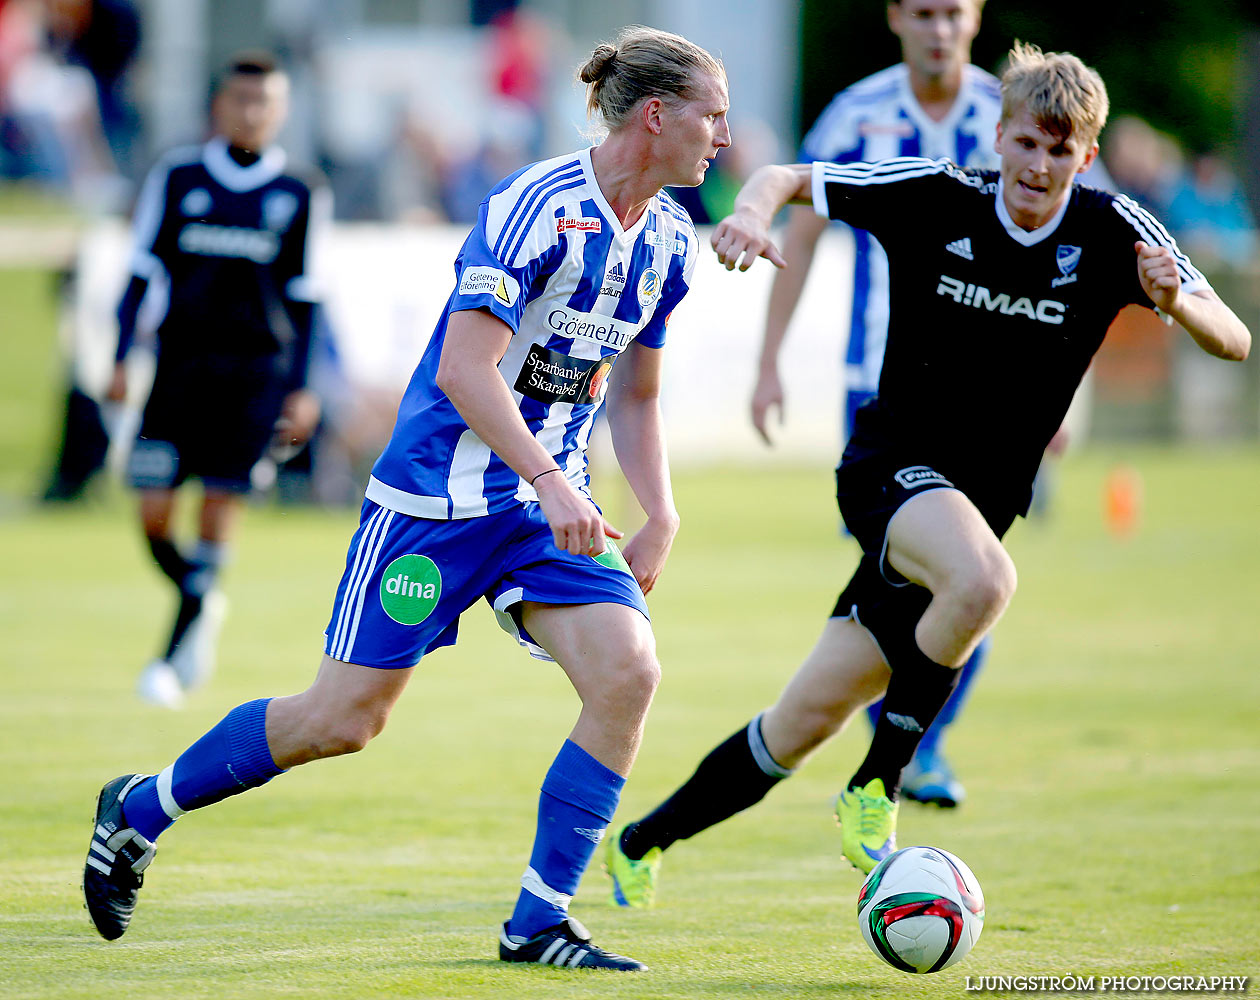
(1122,501)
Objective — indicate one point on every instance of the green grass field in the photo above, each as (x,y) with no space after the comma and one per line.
(1111,753)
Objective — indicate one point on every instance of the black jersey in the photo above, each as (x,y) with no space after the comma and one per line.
(228,247)
(991,327)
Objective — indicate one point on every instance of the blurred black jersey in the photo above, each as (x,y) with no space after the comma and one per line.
(225,250)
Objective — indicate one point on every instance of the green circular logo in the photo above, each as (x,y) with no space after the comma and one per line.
(410,588)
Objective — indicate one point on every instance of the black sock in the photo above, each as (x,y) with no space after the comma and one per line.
(169,561)
(199,580)
(189,609)
(917,691)
(735,775)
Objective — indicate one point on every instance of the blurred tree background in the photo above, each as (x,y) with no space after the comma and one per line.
(1187,68)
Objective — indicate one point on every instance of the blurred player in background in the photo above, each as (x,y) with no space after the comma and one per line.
(1006,284)
(563,290)
(935,104)
(223,235)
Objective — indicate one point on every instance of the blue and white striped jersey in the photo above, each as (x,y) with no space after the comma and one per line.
(550,259)
(877,118)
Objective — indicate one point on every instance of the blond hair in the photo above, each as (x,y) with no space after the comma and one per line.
(642,62)
(1061,93)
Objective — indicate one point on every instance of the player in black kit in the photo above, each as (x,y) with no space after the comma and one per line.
(222,239)
(1002,287)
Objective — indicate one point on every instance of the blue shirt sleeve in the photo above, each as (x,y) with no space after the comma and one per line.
(677,284)
(483,281)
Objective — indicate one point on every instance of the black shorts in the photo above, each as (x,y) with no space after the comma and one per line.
(889,612)
(206,418)
(872,485)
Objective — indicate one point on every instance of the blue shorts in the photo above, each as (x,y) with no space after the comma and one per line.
(408,579)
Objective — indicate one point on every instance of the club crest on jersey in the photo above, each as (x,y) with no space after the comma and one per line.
(278,210)
(490,281)
(196,203)
(582,225)
(1067,257)
(410,588)
(649,286)
(914,476)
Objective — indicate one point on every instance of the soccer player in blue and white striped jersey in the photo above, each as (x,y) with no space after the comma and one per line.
(561,296)
(934,103)
(1006,282)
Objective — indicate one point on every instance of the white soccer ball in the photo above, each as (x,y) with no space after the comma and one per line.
(921,909)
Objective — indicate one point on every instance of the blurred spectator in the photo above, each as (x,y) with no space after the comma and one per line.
(1209,215)
(1143,162)
(103,37)
(518,61)
(507,137)
(50,123)
(411,175)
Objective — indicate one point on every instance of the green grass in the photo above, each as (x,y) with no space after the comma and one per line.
(1111,755)
(32,380)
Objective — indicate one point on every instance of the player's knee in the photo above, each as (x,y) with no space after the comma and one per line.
(332,735)
(639,677)
(1002,581)
(630,681)
(984,587)
(350,736)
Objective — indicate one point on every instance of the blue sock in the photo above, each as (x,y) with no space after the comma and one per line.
(579,798)
(231,758)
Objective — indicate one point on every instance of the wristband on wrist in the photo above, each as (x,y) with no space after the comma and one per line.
(541,474)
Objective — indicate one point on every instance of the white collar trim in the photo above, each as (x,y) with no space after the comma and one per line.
(1027,237)
(220,165)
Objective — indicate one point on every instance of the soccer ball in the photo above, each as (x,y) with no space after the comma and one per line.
(921,909)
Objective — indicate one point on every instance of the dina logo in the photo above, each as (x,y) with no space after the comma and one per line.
(410,589)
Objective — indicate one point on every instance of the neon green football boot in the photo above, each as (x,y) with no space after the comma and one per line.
(633,882)
(868,824)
